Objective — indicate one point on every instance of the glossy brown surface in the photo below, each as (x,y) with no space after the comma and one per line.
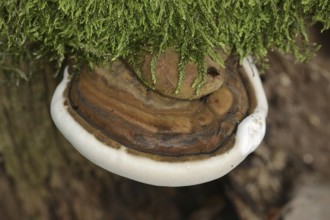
(166,70)
(118,106)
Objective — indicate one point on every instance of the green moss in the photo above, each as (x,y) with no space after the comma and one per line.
(99,31)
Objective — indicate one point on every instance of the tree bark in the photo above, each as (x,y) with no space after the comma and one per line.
(43,177)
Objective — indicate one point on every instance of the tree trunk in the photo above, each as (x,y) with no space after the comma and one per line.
(43,177)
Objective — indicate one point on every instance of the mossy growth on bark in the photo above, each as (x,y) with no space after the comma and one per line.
(100,31)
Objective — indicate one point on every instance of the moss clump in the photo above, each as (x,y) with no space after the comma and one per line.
(98,31)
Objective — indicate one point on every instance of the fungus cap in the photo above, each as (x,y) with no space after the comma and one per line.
(120,160)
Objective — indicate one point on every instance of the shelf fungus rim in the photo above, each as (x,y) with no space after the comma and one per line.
(118,160)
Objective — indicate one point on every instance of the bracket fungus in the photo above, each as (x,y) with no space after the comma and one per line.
(118,123)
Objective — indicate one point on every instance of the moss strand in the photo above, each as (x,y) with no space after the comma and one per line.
(99,31)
